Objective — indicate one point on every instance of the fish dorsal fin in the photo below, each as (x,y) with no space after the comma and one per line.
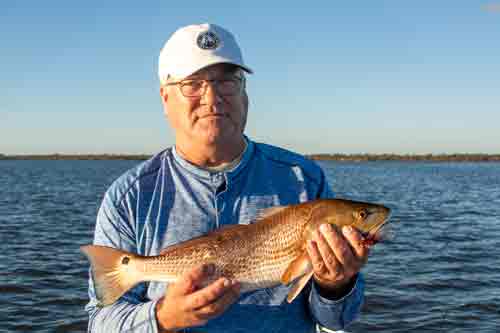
(297,268)
(225,228)
(265,213)
(208,239)
(298,286)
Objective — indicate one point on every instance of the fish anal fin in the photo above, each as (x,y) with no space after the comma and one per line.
(298,267)
(298,286)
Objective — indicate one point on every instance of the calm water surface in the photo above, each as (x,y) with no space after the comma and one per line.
(441,272)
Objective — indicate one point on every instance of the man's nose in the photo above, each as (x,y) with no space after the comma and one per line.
(211,95)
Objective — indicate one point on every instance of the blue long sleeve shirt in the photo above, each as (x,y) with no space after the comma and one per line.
(166,200)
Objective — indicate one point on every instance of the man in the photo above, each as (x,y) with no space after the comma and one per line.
(215,176)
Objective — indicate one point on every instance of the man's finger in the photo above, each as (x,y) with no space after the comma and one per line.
(220,305)
(316,260)
(192,280)
(338,245)
(355,239)
(325,249)
(208,295)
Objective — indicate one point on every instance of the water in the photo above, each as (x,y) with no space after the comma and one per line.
(441,272)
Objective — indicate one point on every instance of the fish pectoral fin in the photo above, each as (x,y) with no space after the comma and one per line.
(298,286)
(300,270)
(300,266)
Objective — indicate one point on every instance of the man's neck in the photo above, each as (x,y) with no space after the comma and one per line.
(212,155)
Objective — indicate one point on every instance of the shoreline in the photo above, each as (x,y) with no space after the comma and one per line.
(462,157)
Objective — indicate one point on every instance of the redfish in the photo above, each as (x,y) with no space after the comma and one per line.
(263,254)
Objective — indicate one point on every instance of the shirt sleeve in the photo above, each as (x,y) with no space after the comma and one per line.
(335,314)
(132,312)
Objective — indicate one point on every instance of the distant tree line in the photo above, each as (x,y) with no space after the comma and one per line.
(75,157)
(325,157)
(408,157)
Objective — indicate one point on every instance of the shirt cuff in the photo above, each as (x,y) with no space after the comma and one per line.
(336,314)
(152,315)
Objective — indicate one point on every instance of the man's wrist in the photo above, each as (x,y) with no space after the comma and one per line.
(338,291)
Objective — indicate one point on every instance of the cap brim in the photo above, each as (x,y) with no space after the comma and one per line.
(214,62)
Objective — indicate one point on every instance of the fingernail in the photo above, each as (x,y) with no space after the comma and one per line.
(227,283)
(347,230)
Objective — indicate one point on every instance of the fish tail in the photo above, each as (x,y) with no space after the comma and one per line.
(114,272)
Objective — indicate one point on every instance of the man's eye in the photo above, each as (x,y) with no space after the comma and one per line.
(193,84)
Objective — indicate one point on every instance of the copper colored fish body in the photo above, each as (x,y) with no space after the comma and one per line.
(263,254)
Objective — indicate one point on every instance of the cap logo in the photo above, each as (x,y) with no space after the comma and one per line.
(208,41)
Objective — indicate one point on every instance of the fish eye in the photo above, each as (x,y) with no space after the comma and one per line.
(363,214)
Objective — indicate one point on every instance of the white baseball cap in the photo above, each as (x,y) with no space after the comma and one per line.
(194,47)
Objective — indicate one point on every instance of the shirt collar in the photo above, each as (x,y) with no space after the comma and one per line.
(204,173)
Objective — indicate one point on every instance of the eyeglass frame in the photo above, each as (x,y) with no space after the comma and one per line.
(205,82)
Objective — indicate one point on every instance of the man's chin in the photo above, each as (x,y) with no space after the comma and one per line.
(214,121)
(219,136)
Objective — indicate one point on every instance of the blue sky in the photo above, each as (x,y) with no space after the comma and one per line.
(330,76)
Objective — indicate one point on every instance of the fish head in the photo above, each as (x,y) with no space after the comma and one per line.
(368,218)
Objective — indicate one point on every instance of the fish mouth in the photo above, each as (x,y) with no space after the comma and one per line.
(375,229)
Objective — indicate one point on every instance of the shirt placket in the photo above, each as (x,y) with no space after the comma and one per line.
(218,185)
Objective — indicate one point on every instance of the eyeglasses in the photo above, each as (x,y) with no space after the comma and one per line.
(198,87)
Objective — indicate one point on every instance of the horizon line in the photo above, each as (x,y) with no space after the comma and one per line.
(317,156)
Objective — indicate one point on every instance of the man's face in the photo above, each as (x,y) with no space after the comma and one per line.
(212,118)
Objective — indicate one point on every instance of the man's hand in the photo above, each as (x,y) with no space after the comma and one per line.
(336,258)
(186,305)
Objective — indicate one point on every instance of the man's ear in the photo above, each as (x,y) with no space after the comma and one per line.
(164,98)
(163,94)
